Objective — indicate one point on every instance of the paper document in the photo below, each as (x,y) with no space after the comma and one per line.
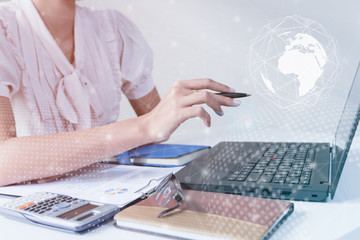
(106,183)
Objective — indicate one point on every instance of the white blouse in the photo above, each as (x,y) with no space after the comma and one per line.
(48,94)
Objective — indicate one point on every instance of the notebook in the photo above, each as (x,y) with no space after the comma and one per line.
(306,171)
(209,215)
(163,155)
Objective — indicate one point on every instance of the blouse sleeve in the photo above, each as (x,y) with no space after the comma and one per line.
(136,60)
(9,79)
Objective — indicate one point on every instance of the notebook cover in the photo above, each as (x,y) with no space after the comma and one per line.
(164,150)
(158,151)
(212,214)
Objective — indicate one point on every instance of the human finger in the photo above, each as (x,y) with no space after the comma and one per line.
(212,100)
(209,98)
(197,111)
(205,83)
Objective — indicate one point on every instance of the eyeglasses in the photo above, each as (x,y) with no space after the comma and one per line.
(168,189)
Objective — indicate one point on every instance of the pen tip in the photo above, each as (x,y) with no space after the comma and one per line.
(248,95)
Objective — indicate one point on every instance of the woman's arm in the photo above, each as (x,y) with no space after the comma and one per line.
(35,157)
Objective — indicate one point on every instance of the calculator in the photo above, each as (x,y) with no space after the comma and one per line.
(59,211)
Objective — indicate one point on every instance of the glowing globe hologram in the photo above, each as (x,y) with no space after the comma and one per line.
(293,61)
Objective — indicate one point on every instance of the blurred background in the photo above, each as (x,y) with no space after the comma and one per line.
(212,38)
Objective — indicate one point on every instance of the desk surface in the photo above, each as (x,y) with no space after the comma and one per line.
(335,219)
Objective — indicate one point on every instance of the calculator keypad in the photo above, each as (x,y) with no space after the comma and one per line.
(41,203)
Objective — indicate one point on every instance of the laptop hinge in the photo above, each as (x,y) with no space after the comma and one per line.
(330,166)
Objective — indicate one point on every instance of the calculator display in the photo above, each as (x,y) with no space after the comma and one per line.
(75,212)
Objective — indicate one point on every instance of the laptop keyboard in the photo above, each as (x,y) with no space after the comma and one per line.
(278,163)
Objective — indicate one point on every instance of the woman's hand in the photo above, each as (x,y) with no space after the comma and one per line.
(180,104)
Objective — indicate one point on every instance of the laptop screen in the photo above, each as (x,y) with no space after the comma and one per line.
(345,131)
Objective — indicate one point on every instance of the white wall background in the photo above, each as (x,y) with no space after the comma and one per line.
(211,38)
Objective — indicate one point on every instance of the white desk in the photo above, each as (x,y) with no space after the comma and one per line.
(335,219)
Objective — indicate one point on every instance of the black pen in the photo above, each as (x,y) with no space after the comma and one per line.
(233,95)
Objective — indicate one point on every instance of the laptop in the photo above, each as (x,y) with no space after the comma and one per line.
(280,170)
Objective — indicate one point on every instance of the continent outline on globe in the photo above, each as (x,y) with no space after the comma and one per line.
(293,61)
